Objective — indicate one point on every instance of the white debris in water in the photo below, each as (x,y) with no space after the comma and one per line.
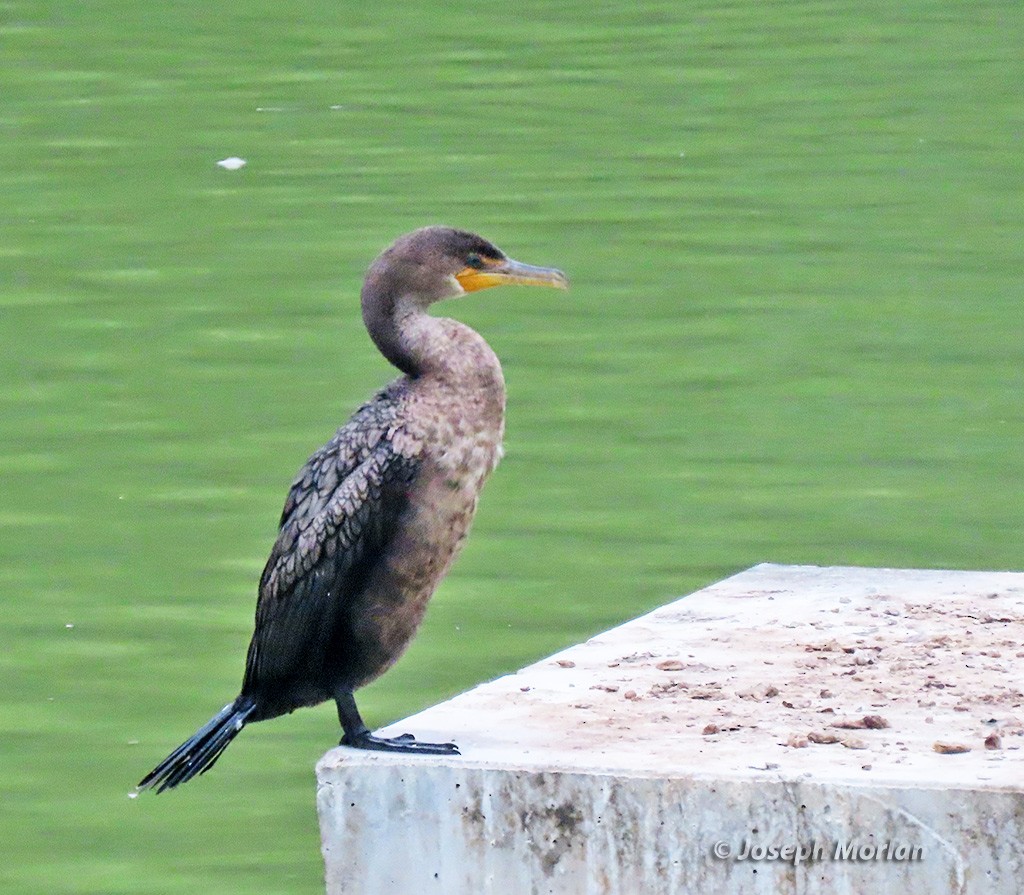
(232,163)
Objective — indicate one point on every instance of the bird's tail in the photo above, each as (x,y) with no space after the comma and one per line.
(198,753)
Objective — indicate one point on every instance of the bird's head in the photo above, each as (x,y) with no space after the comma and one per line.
(433,263)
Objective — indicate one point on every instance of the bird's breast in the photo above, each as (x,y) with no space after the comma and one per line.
(459,452)
(457,416)
(456,435)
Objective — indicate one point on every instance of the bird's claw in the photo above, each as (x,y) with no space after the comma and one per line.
(406,742)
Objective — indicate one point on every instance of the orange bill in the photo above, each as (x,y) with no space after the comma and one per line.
(510,273)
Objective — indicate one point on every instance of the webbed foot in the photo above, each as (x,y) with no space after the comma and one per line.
(404,743)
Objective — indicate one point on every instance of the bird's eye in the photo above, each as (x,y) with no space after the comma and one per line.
(474,260)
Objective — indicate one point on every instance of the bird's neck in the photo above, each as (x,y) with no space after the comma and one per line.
(404,333)
(422,345)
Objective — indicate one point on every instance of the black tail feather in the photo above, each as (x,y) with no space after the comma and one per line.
(199,752)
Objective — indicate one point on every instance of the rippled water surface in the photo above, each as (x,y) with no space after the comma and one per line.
(795,334)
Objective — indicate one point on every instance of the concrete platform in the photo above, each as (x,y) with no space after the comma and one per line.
(789,730)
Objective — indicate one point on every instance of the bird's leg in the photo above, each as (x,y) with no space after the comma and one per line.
(358,736)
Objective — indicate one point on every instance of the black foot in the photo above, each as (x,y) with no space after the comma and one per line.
(404,743)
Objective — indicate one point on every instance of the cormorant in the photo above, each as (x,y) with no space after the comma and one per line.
(375,518)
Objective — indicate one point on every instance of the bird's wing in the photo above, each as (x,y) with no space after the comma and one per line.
(350,446)
(335,526)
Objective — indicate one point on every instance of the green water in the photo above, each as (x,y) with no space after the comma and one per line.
(795,237)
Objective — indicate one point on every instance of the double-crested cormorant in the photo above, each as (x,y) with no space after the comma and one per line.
(375,518)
